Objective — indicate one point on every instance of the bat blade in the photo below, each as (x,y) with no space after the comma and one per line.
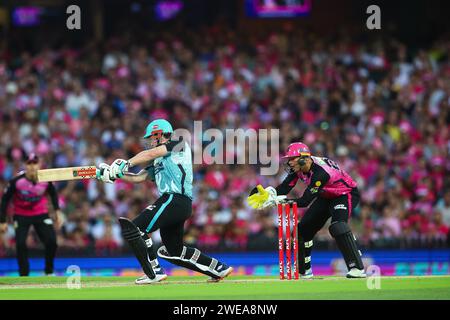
(70,173)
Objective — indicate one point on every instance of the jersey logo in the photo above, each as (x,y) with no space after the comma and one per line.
(314,190)
(318,183)
(159,167)
(340,207)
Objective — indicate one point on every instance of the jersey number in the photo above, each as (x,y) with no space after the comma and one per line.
(331,164)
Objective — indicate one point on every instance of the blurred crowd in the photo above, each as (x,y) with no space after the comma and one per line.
(378,108)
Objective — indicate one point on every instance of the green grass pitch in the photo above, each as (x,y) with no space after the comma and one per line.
(234,287)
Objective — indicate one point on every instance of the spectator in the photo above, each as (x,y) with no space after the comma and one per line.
(209,239)
(107,235)
(443,206)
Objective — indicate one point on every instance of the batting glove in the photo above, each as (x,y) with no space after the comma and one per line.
(118,168)
(104,173)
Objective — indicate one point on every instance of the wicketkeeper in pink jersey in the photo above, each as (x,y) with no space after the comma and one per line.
(330,192)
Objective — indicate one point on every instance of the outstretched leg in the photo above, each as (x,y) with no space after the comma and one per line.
(175,252)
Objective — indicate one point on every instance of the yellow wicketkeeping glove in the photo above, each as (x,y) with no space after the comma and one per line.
(258,199)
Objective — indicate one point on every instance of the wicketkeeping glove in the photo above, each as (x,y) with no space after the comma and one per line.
(265,198)
(274,199)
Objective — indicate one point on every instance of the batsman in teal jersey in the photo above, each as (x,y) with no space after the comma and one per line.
(169,165)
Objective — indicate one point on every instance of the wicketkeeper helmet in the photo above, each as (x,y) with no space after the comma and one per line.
(297,149)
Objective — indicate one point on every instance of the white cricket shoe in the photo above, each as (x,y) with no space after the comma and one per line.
(146,280)
(356,273)
(308,274)
(223,270)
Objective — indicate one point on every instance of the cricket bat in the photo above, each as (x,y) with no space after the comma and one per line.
(70,173)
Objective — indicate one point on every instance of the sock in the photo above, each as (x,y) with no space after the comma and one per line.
(308,249)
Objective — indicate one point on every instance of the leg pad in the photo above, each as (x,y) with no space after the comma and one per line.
(132,235)
(346,243)
(189,259)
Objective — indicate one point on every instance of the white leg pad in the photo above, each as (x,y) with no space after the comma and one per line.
(162,252)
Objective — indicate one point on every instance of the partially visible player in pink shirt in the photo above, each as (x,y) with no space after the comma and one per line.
(30,208)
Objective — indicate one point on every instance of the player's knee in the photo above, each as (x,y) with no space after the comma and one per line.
(338,228)
(175,250)
(21,244)
(301,229)
(51,244)
(304,233)
(137,222)
(340,216)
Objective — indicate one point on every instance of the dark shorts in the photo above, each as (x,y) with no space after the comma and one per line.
(43,226)
(342,208)
(169,210)
(339,209)
(42,223)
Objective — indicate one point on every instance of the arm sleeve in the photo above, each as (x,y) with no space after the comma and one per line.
(319,178)
(6,198)
(288,184)
(53,195)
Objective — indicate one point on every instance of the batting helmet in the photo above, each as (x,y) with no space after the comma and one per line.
(157,128)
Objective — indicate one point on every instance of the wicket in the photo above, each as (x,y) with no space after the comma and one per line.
(287,219)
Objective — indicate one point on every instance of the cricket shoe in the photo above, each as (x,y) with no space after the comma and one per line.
(308,274)
(356,273)
(160,275)
(223,272)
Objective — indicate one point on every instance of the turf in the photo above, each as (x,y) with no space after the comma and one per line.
(237,287)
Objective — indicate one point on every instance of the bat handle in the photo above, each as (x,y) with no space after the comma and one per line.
(99,173)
